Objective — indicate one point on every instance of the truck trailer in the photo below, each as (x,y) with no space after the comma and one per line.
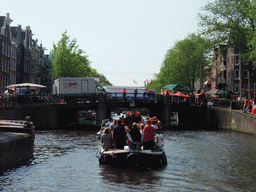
(76,86)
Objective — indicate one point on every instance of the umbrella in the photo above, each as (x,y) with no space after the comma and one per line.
(31,85)
(180,94)
(215,91)
(166,92)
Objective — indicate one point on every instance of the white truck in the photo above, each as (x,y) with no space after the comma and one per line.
(76,86)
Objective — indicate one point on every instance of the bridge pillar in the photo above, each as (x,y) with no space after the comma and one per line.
(167,112)
(101,112)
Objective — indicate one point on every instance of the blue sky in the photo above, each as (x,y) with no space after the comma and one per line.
(124,39)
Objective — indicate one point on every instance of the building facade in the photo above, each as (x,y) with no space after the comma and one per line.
(20,55)
(230,73)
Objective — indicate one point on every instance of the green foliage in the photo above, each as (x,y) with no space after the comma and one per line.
(230,22)
(70,61)
(184,63)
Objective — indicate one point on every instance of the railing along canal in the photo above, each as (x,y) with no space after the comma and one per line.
(132,99)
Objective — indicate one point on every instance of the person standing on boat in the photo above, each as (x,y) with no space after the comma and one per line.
(107,140)
(149,133)
(159,139)
(137,117)
(135,134)
(113,125)
(119,135)
(109,122)
(128,120)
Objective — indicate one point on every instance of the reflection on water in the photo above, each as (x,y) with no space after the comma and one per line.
(197,161)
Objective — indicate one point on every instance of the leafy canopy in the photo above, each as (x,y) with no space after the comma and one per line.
(184,63)
(70,61)
(230,22)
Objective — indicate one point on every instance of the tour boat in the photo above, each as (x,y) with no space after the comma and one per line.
(134,157)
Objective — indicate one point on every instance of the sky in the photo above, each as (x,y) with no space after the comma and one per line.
(126,40)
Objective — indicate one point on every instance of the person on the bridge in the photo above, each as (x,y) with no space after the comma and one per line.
(135,93)
(144,93)
(149,133)
(124,93)
(149,94)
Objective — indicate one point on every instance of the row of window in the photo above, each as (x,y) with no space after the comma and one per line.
(8,50)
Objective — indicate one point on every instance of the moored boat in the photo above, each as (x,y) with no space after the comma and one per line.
(16,141)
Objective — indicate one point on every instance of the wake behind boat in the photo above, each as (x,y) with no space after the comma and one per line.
(132,155)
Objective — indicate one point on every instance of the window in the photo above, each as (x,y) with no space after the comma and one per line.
(237,60)
(100,88)
(245,74)
(237,74)
(236,88)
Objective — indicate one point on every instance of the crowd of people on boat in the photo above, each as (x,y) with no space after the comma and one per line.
(134,131)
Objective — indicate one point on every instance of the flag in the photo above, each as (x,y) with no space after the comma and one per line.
(134,81)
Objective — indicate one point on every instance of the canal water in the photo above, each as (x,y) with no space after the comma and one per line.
(197,161)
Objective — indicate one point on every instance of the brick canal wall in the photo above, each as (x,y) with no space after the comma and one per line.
(234,120)
(15,147)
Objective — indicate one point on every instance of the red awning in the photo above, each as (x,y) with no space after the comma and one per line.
(180,94)
(166,92)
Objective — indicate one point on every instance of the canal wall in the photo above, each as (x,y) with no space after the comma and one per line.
(15,147)
(232,119)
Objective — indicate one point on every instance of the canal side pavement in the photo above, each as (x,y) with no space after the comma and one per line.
(15,147)
(232,119)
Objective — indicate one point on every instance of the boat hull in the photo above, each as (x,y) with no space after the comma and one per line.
(132,158)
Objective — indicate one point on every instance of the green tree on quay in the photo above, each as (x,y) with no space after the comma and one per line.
(184,63)
(70,61)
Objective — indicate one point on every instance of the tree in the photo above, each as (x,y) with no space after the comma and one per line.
(69,60)
(230,22)
(184,63)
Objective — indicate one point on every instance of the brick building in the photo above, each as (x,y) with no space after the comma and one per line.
(230,73)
